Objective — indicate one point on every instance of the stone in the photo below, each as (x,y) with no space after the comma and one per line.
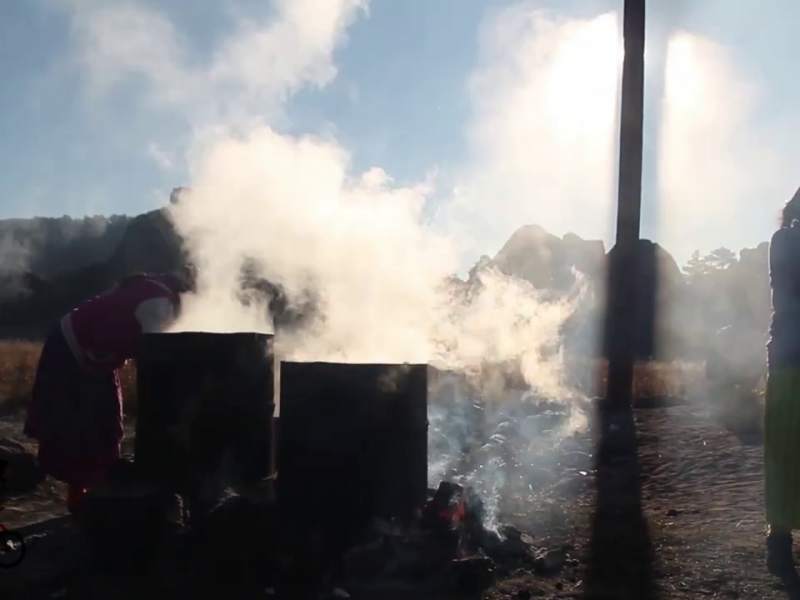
(22,475)
(473,574)
(550,562)
(510,532)
(514,544)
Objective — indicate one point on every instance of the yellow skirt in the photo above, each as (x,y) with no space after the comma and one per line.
(782,449)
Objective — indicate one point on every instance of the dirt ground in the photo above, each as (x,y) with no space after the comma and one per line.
(677,515)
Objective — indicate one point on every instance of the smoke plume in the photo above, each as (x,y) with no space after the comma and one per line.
(14,260)
(359,242)
(382,275)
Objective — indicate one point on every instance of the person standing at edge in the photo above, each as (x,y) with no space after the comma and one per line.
(75,411)
(782,404)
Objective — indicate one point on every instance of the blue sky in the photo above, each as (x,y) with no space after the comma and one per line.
(400,100)
(58,151)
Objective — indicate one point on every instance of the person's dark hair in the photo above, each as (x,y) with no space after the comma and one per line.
(180,281)
(791,210)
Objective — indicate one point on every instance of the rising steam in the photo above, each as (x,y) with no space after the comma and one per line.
(381,275)
(383,278)
(15,259)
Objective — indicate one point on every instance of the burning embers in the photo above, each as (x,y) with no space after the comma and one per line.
(447,549)
(507,446)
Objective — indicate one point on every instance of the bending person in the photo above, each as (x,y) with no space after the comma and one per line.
(75,411)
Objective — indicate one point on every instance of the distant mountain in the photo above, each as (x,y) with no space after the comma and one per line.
(550,262)
(547,261)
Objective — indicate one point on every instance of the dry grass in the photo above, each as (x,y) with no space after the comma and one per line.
(18,362)
(660,379)
(18,367)
(651,380)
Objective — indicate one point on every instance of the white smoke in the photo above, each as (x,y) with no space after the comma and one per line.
(15,258)
(357,240)
(380,274)
(14,255)
(503,449)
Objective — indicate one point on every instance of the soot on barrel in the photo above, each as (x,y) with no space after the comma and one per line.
(352,442)
(199,394)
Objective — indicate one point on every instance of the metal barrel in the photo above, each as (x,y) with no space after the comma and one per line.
(200,394)
(352,443)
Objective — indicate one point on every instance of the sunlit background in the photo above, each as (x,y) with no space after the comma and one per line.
(362,152)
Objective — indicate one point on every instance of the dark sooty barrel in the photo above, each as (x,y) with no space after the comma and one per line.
(353,442)
(216,389)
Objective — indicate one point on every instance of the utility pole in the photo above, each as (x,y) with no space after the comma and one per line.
(624,269)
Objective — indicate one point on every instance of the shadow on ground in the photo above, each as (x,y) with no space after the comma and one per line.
(741,413)
(621,557)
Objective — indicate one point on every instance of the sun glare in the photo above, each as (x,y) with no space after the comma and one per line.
(584,78)
(684,81)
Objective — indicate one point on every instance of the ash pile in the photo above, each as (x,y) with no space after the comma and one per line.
(447,551)
(517,449)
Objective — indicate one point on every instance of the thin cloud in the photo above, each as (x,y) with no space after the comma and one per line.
(161,157)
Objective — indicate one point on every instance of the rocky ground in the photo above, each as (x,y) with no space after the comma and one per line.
(679,518)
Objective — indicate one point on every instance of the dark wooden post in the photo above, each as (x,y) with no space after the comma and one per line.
(623,277)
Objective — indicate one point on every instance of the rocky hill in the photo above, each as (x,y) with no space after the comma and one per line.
(547,261)
(679,310)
